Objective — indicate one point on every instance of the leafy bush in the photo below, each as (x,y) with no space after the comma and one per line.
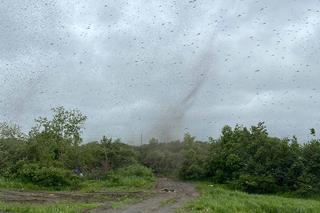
(253,161)
(193,171)
(257,184)
(47,176)
(163,158)
(136,170)
(194,165)
(131,176)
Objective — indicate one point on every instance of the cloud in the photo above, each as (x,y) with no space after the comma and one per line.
(125,64)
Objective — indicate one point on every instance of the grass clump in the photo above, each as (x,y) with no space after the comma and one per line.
(6,183)
(136,176)
(129,179)
(123,202)
(215,198)
(46,208)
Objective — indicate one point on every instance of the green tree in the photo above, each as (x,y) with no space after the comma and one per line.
(116,154)
(11,131)
(66,124)
(195,158)
(56,141)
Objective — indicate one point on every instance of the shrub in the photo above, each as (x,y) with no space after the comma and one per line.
(47,176)
(131,176)
(256,184)
(135,170)
(192,171)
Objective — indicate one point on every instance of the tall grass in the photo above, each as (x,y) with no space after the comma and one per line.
(132,178)
(129,179)
(215,198)
(6,183)
(46,208)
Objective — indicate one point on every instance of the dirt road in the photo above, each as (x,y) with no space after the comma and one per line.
(52,197)
(169,196)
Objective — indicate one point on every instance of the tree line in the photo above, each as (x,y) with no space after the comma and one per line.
(53,154)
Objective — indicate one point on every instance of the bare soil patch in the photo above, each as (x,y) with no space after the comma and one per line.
(49,197)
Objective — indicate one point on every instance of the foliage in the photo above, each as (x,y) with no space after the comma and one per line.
(46,208)
(309,178)
(247,159)
(162,158)
(47,176)
(253,161)
(133,176)
(9,131)
(96,159)
(215,198)
(48,155)
(134,170)
(12,150)
(10,183)
(66,124)
(256,184)
(117,154)
(129,179)
(195,159)
(185,158)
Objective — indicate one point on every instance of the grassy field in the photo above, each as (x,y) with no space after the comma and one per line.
(215,198)
(46,208)
(15,184)
(120,181)
(126,184)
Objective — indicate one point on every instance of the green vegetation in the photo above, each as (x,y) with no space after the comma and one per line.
(116,183)
(133,176)
(215,198)
(252,161)
(123,202)
(52,157)
(245,159)
(6,183)
(47,176)
(177,158)
(128,179)
(46,208)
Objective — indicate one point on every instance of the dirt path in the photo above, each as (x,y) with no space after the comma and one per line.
(51,197)
(169,196)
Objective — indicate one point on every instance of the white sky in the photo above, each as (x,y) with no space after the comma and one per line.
(126,64)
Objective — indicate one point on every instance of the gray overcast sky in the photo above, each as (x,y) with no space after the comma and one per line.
(154,66)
